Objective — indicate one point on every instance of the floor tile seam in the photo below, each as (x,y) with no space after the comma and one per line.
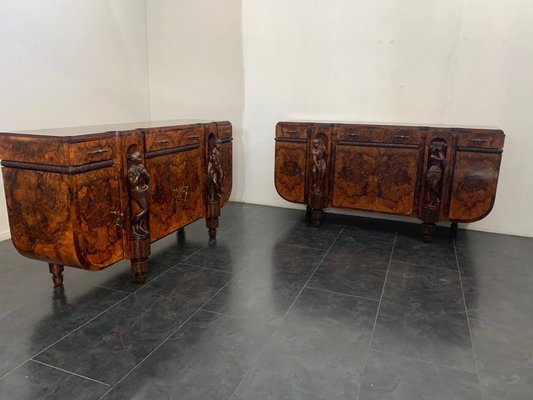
(99,314)
(68,334)
(377,314)
(429,312)
(69,372)
(114,290)
(253,363)
(431,363)
(476,366)
(425,266)
(266,323)
(168,337)
(341,294)
(185,264)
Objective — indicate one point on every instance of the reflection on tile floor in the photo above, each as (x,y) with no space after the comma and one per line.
(276,309)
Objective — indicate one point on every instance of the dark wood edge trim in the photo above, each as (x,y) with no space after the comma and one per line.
(172,150)
(226,140)
(291,140)
(371,144)
(58,169)
(479,150)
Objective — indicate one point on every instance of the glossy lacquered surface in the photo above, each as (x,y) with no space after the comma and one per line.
(358,309)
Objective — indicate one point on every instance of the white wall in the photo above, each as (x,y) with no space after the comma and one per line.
(195,65)
(67,63)
(459,62)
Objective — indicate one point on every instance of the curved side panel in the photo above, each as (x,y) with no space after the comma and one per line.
(39,207)
(290,171)
(474,185)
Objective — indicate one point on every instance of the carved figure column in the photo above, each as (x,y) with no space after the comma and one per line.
(320,155)
(215,177)
(433,187)
(138,180)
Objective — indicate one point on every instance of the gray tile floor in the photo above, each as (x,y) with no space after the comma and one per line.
(276,309)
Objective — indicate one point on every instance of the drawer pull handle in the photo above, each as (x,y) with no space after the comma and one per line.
(227,131)
(292,132)
(354,134)
(193,137)
(479,140)
(401,137)
(164,141)
(99,151)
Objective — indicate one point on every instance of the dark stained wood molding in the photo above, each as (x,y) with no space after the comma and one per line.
(173,150)
(479,150)
(289,140)
(372,144)
(58,169)
(226,140)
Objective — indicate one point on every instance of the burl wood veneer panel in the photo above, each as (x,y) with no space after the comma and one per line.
(474,185)
(291,160)
(39,206)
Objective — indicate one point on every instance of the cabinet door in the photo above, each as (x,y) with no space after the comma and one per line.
(176,191)
(474,185)
(290,170)
(354,183)
(395,176)
(98,225)
(189,188)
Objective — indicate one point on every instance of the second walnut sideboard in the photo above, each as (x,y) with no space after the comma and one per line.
(432,173)
(88,197)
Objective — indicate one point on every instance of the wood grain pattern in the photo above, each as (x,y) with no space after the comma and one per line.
(98,230)
(291,160)
(39,208)
(474,186)
(76,201)
(432,173)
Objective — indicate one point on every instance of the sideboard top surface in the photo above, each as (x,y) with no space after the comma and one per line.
(110,129)
(389,126)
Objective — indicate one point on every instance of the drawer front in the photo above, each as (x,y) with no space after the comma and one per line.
(291,131)
(492,140)
(402,136)
(92,151)
(357,134)
(162,139)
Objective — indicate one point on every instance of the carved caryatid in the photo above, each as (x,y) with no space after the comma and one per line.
(434,173)
(138,179)
(320,155)
(215,174)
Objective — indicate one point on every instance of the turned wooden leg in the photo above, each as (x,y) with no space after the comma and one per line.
(308,210)
(140,253)
(317,215)
(139,269)
(211,221)
(180,232)
(212,225)
(57,274)
(454,227)
(428,228)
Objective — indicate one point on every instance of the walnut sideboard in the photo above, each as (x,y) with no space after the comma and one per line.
(434,174)
(88,197)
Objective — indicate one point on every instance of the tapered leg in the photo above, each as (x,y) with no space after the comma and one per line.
(57,274)
(428,228)
(211,222)
(140,253)
(317,215)
(454,227)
